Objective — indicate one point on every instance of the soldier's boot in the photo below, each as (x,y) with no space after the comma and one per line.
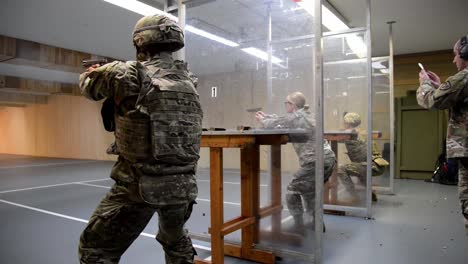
(310,221)
(311,226)
(349,187)
(374,196)
(464,205)
(298,226)
(466,226)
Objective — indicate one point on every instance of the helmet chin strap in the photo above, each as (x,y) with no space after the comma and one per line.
(141,55)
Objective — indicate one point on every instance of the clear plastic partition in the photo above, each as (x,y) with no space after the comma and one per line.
(249,56)
(346,111)
(381,123)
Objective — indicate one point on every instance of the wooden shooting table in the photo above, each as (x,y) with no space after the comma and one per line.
(249,144)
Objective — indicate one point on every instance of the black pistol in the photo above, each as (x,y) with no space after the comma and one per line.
(91,62)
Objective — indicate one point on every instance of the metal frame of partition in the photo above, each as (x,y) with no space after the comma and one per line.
(319,100)
(369,113)
(367,210)
(319,169)
(360,211)
(392,109)
(391,188)
(318,92)
(318,83)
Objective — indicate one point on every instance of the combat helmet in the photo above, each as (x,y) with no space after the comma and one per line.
(158,31)
(353,119)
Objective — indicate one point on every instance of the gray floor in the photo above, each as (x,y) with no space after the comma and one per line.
(421,224)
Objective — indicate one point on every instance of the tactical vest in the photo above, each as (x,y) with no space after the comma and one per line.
(163,134)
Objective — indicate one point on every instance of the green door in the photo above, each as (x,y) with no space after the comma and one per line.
(420,138)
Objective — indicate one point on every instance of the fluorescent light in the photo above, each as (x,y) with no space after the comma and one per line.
(385,71)
(334,23)
(357,45)
(331,21)
(140,8)
(262,55)
(378,65)
(206,34)
(147,10)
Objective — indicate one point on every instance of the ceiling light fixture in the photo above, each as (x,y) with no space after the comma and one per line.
(206,34)
(334,23)
(263,55)
(147,10)
(139,8)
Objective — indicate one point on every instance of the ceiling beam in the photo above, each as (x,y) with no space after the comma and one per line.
(29,53)
(10,104)
(18,85)
(11,98)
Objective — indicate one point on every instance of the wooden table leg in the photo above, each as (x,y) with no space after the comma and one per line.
(217,206)
(276,187)
(250,195)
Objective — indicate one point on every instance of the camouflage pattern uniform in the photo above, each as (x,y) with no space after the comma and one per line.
(357,153)
(303,182)
(452,95)
(158,131)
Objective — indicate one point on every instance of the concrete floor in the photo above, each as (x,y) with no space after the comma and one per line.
(45,204)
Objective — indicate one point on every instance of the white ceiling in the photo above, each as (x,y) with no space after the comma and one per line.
(421,25)
(97,27)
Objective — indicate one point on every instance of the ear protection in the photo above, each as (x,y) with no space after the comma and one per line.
(463,49)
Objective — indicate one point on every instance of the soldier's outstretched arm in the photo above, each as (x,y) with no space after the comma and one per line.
(274,121)
(106,81)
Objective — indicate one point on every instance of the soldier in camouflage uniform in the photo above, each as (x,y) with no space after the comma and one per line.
(357,153)
(452,95)
(158,130)
(302,186)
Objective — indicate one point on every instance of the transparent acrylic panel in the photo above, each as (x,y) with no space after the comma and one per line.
(290,83)
(381,121)
(235,81)
(346,99)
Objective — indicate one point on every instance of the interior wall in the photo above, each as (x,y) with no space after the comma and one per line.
(407,71)
(66,127)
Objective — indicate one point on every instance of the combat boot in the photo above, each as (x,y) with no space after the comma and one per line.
(465,209)
(466,226)
(298,226)
(311,226)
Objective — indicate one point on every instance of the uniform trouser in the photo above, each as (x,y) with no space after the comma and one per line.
(302,187)
(120,218)
(463,184)
(359,170)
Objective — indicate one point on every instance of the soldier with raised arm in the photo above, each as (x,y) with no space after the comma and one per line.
(157,138)
(452,95)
